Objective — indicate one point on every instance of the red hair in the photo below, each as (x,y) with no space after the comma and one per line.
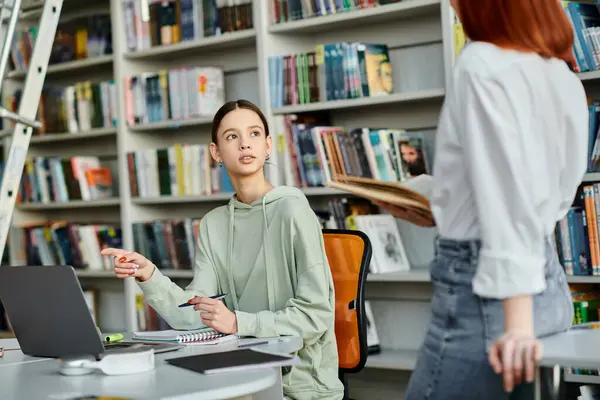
(538,26)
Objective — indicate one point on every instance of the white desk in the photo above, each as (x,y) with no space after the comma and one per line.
(574,348)
(577,348)
(24,377)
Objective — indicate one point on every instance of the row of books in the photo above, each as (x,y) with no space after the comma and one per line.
(75,108)
(169,244)
(178,170)
(59,180)
(594,135)
(63,243)
(314,152)
(311,155)
(174,94)
(158,23)
(292,10)
(586,305)
(585,20)
(577,234)
(78,39)
(333,71)
(194,92)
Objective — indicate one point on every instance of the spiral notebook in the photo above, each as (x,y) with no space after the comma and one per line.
(198,336)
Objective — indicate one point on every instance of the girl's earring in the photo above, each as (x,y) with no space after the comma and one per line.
(268,156)
(220,163)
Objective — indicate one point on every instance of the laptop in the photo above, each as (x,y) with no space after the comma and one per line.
(50,317)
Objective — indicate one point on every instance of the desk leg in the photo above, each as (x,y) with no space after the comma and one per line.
(549,383)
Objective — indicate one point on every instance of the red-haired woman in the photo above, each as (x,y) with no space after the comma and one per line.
(511,151)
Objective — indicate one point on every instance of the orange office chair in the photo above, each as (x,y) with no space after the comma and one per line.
(349,255)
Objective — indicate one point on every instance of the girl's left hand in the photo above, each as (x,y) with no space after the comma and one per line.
(215,314)
(515,356)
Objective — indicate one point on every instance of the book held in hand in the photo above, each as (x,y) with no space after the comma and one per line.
(191,337)
(410,196)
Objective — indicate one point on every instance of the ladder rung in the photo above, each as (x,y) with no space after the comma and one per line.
(4,113)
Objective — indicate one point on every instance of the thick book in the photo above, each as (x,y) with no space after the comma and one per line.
(187,337)
(411,197)
(235,360)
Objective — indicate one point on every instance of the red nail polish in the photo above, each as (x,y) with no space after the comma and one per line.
(123,259)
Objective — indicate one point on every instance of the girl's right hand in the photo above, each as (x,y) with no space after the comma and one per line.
(129,264)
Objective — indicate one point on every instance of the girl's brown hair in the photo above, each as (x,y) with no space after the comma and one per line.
(230,106)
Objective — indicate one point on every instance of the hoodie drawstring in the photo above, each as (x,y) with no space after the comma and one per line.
(229,252)
(268,272)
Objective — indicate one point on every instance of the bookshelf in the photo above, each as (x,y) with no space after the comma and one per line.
(421,42)
(63,141)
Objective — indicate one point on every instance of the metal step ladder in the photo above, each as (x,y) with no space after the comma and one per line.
(25,118)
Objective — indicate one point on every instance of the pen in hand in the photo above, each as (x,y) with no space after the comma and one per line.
(216,297)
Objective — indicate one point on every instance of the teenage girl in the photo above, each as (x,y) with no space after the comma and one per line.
(265,251)
(511,151)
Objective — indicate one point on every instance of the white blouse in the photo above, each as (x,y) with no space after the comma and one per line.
(511,150)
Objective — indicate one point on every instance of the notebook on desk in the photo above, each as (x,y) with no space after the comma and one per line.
(191,337)
(236,360)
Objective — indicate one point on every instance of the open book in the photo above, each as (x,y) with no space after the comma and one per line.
(198,336)
(411,197)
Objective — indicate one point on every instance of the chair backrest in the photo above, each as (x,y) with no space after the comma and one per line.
(349,255)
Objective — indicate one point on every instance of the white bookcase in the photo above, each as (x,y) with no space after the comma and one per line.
(420,37)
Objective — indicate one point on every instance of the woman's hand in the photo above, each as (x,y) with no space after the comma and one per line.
(515,355)
(130,264)
(215,314)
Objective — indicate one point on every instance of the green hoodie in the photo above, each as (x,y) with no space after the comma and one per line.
(270,257)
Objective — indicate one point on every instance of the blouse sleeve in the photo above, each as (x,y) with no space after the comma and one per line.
(512,257)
